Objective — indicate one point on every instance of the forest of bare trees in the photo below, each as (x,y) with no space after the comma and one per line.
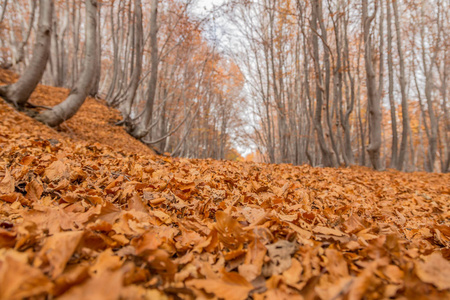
(325,83)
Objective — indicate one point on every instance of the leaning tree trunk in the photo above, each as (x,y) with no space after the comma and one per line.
(67,109)
(19,92)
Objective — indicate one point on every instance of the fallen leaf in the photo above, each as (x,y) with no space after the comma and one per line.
(57,251)
(231,286)
(56,171)
(18,280)
(435,270)
(7,183)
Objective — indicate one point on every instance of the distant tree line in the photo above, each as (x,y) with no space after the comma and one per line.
(349,81)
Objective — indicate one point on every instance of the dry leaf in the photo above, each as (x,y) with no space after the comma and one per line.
(19,280)
(57,251)
(435,270)
(56,171)
(231,286)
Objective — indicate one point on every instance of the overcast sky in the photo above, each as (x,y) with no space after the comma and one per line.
(201,4)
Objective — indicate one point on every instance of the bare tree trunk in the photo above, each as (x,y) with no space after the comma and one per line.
(54,54)
(21,48)
(19,92)
(76,16)
(137,70)
(143,128)
(67,109)
(394,153)
(98,61)
(405,112)
(350,106)
(372,95)
(115,57)
(327,154)
(429,82)
(2,16)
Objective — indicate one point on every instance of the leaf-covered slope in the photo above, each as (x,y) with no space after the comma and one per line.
(80,220)
(94,122)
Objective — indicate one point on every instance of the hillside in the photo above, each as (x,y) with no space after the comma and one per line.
(86,212)
(94,123)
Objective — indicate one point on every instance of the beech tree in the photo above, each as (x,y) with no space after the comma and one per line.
(19,92)
(68,108)
(142,129)
(2,15)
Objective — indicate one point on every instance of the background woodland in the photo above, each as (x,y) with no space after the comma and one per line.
(324,83)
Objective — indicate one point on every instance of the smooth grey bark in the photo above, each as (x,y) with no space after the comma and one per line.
(143,128)
(98,58)
(394,151)
(350,106)
(327,154)
(2,16)
(373,98)
(405,111)
(381,70)
(69,107)
(429,85)
(19,92)
(55,59)
(137,69)
(324,37)
(115,57)
(20,53)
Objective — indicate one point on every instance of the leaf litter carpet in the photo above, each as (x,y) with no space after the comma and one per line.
(80,219)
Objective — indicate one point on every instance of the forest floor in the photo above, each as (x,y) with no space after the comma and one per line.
(87,212)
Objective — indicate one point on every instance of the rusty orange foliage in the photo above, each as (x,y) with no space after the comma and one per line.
(88,213)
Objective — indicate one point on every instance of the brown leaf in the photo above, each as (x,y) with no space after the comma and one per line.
(18,280)
(231,286)
(136,203)
(72,276)
(56,171)
(106,286)
(57,251)
(7,183)
(280,255)
(147,242)
(231,233)
(435,270)
(34,190)
(7,238)
(254,260)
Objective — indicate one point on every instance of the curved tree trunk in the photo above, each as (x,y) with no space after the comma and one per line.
(67,109)
(19,92)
